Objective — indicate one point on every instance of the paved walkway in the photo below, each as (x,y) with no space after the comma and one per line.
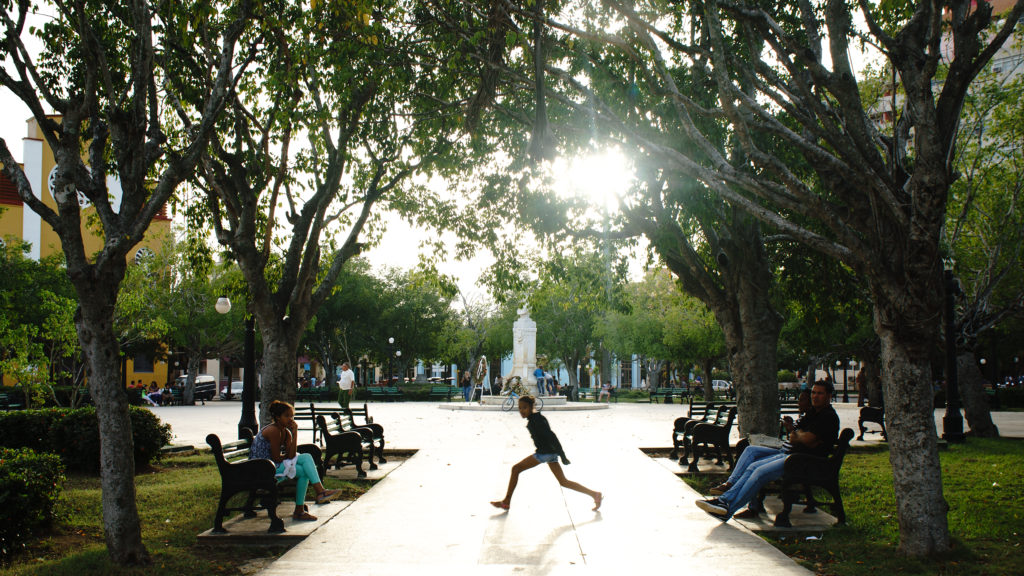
(431,515)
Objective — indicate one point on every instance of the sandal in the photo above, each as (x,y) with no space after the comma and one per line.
(326,496)
(303,516)
(500,504)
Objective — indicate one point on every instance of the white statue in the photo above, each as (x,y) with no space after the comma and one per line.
(524,346)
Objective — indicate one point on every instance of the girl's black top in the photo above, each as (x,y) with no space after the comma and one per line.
(543,438)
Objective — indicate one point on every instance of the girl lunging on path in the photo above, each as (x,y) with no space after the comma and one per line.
(549,450)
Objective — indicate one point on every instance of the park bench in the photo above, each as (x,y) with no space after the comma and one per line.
(441,392)
(875,415)
(667,393)
(176,397)
(385,393)
(7,402)
(315,394)
(371,432)
(305,417)
(801,474)
(791,409)
(363,412)
(706,434)
(595,393)
(254,477)
(698,412)
(341,444)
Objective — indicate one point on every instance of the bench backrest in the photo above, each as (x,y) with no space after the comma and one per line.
(231,452)
(363,412)
(724,416)
(835,460)
(345,422)
(328,427)
(699,410)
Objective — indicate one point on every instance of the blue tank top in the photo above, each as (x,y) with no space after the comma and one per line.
(260,447)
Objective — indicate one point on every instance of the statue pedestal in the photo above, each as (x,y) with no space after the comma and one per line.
(499,400)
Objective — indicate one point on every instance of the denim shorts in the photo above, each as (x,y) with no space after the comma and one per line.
(546,458)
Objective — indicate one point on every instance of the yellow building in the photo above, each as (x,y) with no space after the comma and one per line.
(18,221)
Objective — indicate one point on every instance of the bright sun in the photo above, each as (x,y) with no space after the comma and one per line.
(601,178)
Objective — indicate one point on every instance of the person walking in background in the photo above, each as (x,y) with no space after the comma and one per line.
(549,450)
(467,385)
(346,381)
(539,375)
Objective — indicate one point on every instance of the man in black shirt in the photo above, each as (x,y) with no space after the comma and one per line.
(549,450)
(816,433)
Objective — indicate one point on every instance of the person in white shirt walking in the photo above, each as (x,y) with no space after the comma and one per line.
(345,383)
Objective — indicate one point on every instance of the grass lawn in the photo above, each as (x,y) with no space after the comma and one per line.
(177,500)
(983,482)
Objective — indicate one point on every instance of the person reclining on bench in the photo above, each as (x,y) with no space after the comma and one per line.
(815,433)
(277,441)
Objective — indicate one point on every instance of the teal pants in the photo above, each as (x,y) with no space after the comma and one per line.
(305,474)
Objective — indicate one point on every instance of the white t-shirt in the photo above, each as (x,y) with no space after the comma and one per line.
(346,380)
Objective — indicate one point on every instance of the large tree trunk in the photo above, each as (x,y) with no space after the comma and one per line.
(910,422)
(280,371)
(708,388)
(94,322)
(754,368)
(972,393)
(873,377)
(653,373)
(751,327)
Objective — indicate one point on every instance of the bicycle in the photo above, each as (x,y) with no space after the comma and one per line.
(515,391)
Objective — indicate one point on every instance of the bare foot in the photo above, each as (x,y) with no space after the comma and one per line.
(500,504)
(597,500)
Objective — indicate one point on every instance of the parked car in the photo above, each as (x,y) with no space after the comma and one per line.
(721,384)
(233,391)
(206,386)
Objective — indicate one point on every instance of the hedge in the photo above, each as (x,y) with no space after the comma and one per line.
(30,484)
(74,435)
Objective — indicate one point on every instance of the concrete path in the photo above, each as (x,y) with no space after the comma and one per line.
(431,515)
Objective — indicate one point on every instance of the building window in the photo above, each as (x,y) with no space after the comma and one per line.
(143,363)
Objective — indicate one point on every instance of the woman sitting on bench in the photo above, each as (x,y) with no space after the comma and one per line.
(278,441)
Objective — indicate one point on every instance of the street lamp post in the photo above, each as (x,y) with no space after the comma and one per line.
(248,418)
(391,353)
(846,392)
(853,366)
(952,421)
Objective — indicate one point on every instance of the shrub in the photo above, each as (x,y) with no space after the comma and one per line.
(1008,398)
(633,394)
(28,428)
(74,435)
(785,376)
(30,484)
